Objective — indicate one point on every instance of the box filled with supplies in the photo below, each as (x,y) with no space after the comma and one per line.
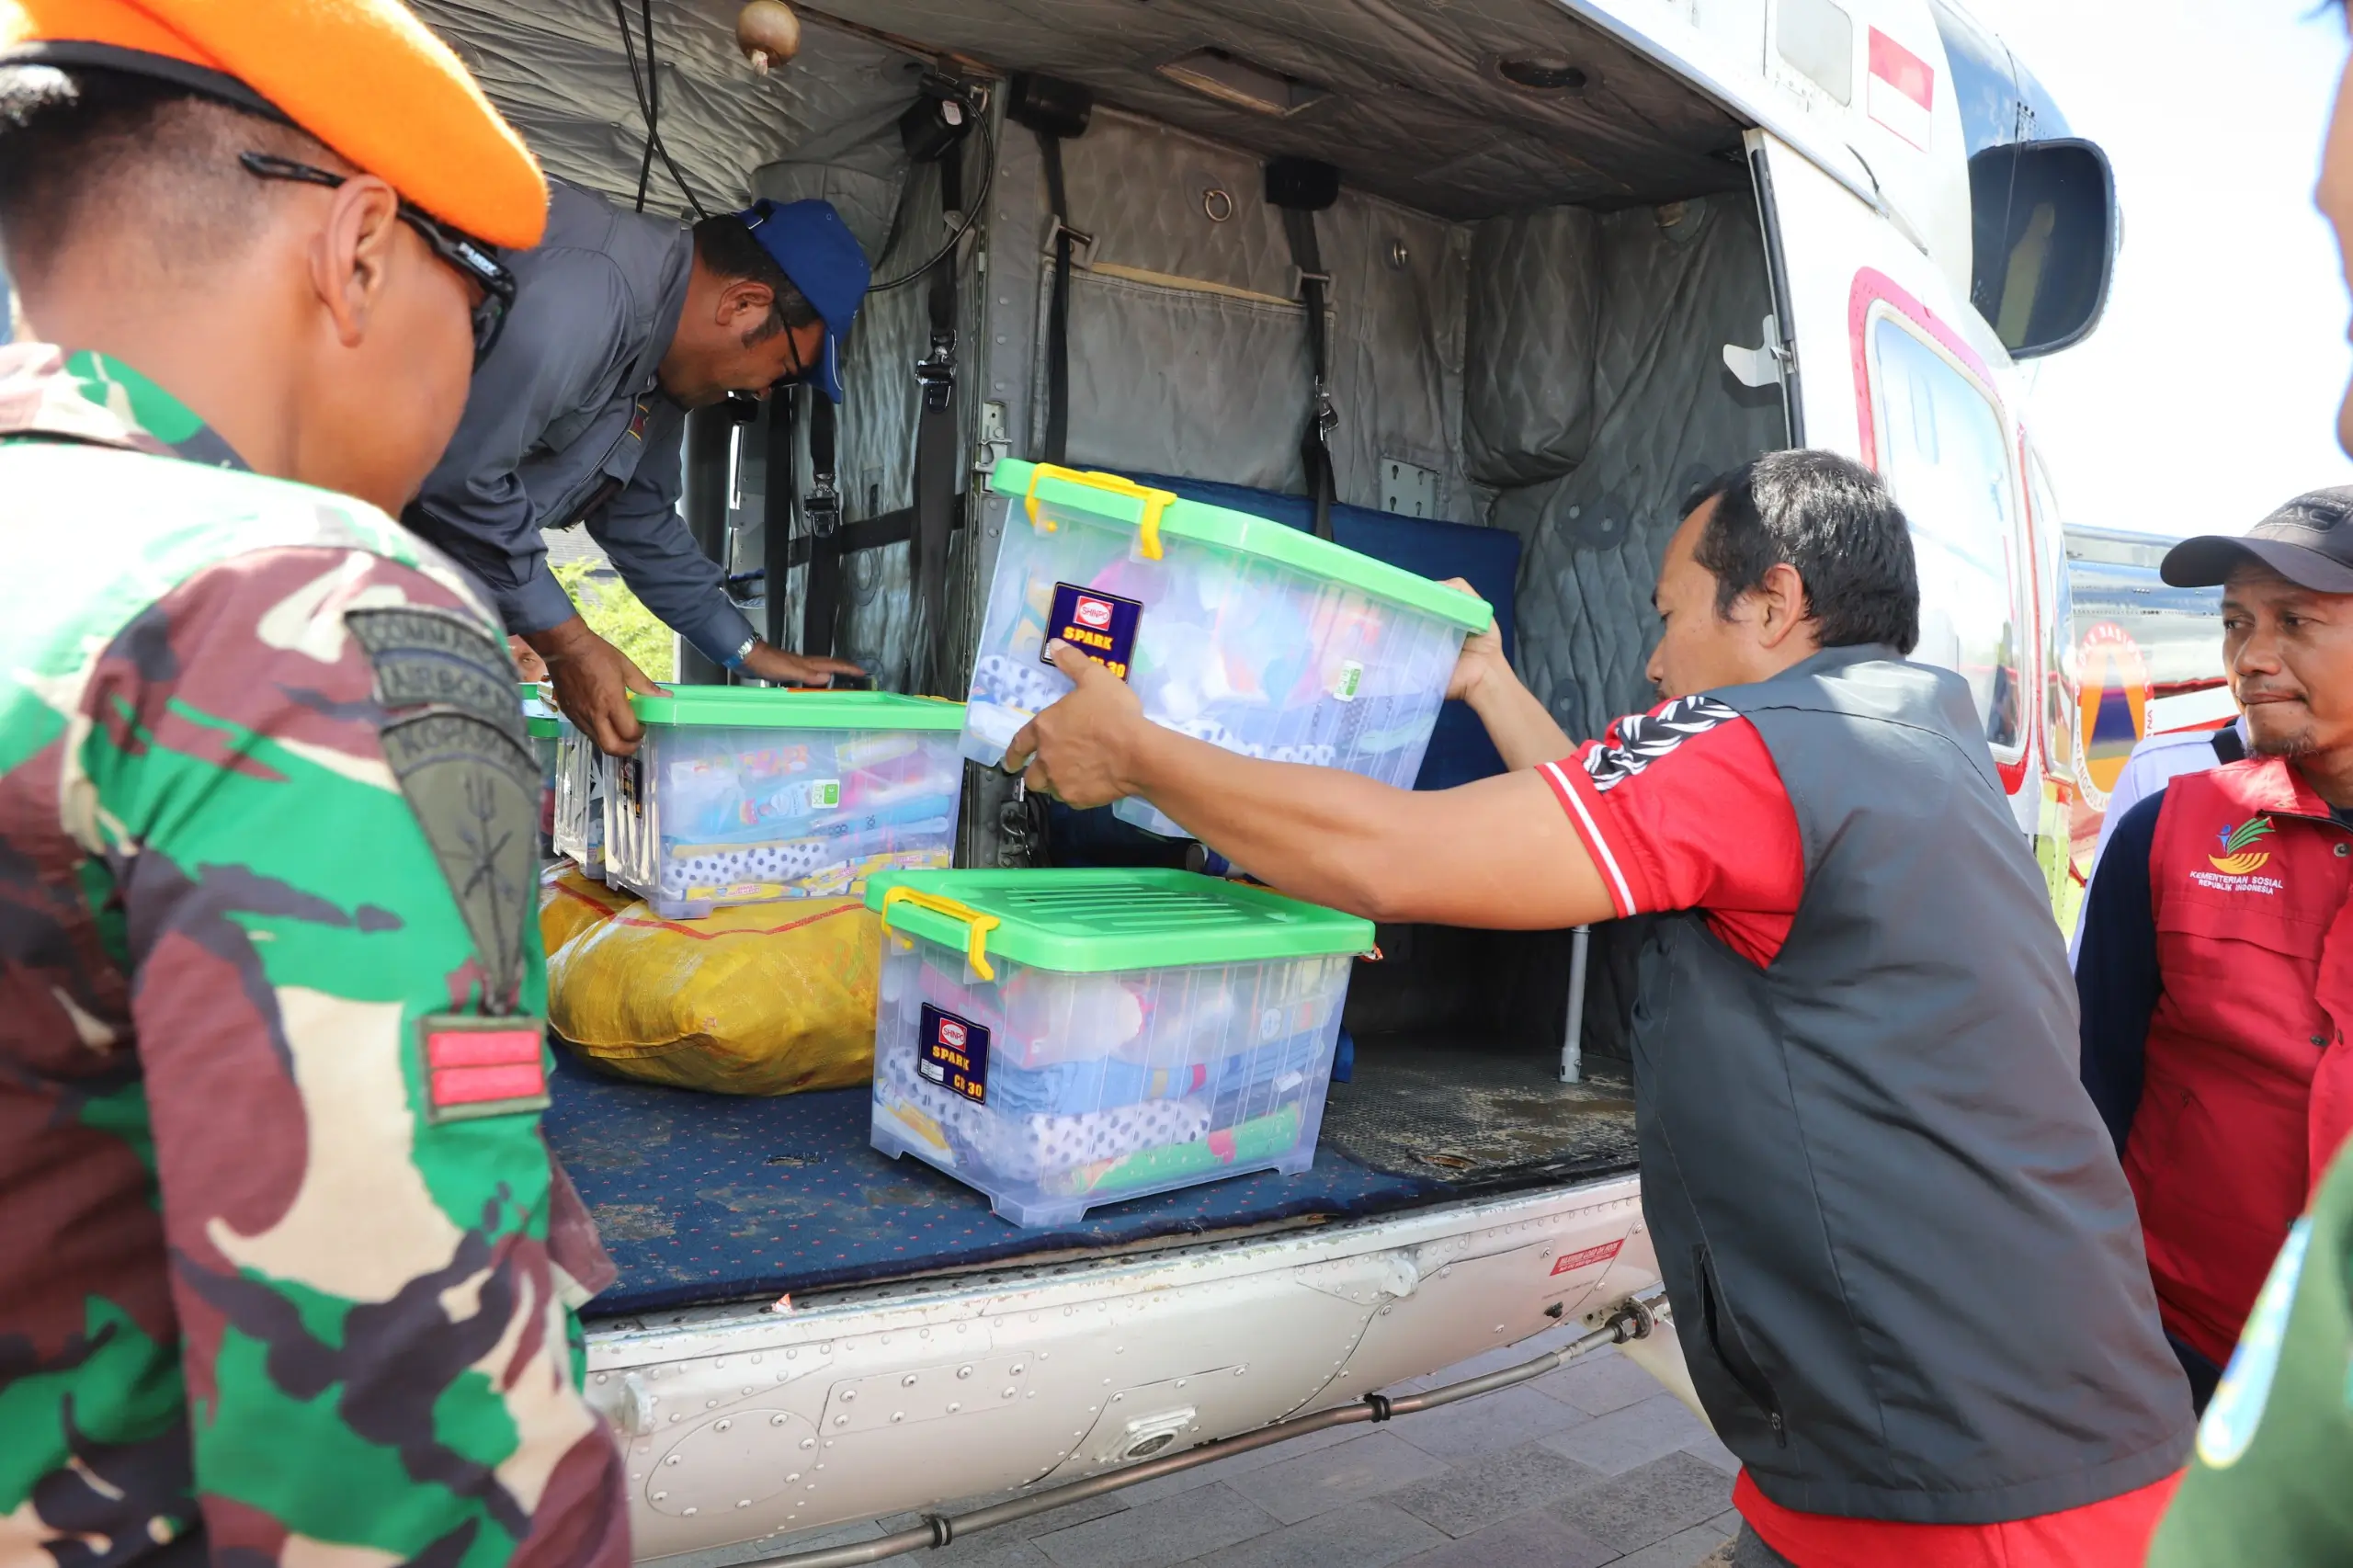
(1062,1040)
(747,794)
(1230,627)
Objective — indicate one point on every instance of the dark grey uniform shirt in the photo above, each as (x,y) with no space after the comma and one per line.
(566,424)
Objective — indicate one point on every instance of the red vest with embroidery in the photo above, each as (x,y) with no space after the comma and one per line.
(2247,1085)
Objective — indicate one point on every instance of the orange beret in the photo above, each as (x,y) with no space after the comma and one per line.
(364,77)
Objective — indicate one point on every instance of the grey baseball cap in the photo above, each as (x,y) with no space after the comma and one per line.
(2308,541)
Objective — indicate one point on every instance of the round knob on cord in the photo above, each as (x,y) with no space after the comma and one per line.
(768,33)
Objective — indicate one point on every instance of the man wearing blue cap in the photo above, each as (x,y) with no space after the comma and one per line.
(623,322)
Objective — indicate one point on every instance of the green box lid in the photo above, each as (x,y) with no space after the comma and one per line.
(1245,532)
(1088,922)
(540,718)
(774,708)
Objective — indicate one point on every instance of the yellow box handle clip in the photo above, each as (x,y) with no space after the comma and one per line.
(977,924)
(1154,501)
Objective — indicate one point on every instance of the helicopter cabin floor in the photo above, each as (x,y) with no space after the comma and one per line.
(704,1199)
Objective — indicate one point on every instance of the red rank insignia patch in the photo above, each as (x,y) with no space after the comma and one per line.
(475,1066)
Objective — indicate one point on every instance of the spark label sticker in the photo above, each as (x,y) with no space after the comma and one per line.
(954,1053)
(1101,626)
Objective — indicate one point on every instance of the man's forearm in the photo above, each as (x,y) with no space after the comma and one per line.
(684,588)
(1522,731)
(1497,853)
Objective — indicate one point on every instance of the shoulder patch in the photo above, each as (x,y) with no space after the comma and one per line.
(427,657)
(476,793)
(1643,738)
(453,736)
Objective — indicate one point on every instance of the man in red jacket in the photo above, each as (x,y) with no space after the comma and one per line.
(2213,1022)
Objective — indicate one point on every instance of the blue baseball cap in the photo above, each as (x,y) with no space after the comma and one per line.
(809,239)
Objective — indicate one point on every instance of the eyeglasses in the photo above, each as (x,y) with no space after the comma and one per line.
(800,370)
(476,262)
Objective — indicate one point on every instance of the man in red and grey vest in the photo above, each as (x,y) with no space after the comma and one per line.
(1905,1264)
(2213,1026)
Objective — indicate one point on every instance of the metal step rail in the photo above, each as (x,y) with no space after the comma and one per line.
(1633,1319)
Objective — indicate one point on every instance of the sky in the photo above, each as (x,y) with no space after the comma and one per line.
(2209,393)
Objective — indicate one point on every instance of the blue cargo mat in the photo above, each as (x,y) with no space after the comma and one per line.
(712,1197)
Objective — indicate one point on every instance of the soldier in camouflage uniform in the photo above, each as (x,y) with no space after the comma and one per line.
(286,1274)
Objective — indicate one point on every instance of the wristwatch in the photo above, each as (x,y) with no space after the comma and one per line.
(734,660)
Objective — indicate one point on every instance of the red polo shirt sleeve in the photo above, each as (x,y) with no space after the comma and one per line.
(1682,808)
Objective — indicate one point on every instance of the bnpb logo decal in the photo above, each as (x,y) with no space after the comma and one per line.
(2113,683)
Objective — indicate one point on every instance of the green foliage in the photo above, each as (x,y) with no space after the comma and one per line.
(614,613)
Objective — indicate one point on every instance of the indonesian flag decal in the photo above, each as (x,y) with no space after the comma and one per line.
(1902,90)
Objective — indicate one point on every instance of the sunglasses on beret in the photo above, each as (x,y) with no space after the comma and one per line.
(476,262)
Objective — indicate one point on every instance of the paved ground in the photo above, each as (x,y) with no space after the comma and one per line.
(1592,1464)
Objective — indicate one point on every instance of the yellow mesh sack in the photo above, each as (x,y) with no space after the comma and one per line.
(570,902)
(770,999)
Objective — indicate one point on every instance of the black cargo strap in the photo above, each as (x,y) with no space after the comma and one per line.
(1054,111)
(867,533)
(1315,444)
(822,509)
(776,516)
(939,463)
(1057,448)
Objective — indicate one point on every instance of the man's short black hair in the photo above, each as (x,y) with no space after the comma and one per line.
(1832,519)
(732,252)
(81,142)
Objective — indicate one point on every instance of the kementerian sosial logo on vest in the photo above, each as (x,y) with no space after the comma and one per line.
(2235,867)
(2239,856)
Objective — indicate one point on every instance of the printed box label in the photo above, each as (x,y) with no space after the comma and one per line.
(954,1053)
(1101,626)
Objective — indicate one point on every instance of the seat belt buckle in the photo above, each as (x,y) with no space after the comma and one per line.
(1321,279)
(1327,417)
(822,506)
(1079,238)
(937,371)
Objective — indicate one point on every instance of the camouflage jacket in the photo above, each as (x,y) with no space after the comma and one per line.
(276,1280)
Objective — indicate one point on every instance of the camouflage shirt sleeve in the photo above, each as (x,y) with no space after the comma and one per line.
(378,1358)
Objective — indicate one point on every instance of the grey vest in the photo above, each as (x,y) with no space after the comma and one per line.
(1906,1271)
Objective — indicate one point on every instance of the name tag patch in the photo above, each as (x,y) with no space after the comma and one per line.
(1101,626)
(475,1066)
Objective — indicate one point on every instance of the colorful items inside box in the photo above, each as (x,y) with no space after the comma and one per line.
(1228,628)
(1098,1084)
(748,815)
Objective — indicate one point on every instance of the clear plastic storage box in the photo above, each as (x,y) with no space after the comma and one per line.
(747,794)
(1233,628)
(577,829)
(1065,1039)
(541,720)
